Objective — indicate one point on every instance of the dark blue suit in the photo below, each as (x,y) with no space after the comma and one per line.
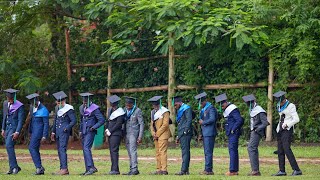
(233,127)
(11,123)
(38,128)
(62,127)
(184,136)
(209,132)
(93,120)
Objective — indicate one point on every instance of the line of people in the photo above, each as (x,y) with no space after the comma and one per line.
(128,123)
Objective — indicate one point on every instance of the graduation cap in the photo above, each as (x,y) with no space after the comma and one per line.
(201,97)
(221,98)
(248,98)
(279,95)
(11,93)
(114,99)
(59,96)
(131,100)
(33,97)
(86,96)
(155,100)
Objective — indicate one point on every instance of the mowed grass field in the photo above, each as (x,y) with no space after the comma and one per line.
(308,159)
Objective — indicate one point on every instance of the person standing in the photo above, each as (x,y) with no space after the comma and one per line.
(65,119)
(159,127)
(208,119)
(184,120)
(114,132)
(258,124)
(38,128)
(91,119)
(288,118)
(13,114)
(233,126)
(134,127)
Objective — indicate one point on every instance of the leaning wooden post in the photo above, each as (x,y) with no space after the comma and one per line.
(171,88)
(67,37)
(270,100)
(109,75)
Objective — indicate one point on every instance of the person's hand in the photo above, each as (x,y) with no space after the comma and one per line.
(139,141)
(177,141)
(15,136)
(65,130)
(108,133)
(52,137)
(155,138)
(284,126)
(43,139)
(92,129)
(3,134)
(200,121)
(80,135)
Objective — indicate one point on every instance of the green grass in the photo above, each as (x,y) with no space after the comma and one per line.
(310,169)
(264,151)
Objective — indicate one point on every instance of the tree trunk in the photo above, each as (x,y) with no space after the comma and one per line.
(68,63)
(171,88)
(270,100)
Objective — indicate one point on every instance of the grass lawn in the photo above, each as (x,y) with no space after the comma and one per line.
(310,168)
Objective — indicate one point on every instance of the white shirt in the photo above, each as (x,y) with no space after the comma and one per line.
(291,118)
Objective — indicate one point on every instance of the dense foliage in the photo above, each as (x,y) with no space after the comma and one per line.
(224,42)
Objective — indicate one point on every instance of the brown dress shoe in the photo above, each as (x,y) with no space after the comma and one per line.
(231,173)
(254,173)
(62,172)
(206,173)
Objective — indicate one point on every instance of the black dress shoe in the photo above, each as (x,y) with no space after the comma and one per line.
(181,173)
(163,173)
(296,173)
(39,171)
(114,173)
(16,170)
(90,171)
(280,173)
(134,172)
(275,152)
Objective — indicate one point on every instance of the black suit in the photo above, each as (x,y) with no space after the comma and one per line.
(115,128)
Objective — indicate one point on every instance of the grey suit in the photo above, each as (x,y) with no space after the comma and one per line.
(258,124)
(134,126)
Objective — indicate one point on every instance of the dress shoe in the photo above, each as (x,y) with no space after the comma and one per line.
(280,173)
(296,173)
(206,173)
(62,172)
(181,173)
(164,173)
(16,170)
(39,171)
(89,172)
(132,173)
(114,173)
(254,173)
(231,173)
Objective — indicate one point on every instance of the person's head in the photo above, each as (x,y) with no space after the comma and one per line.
(156,102)
(34,99)
(249,100)
(86,98)
(114,101)
(60,98)
(177,102)
(280,97)
(11,95)
(222,100)
(202,99)
(130,102)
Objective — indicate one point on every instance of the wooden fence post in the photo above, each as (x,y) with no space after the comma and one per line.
(171,88)
(270,100)
(68,63)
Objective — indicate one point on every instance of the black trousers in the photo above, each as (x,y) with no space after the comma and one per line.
(114,143)
(284,149)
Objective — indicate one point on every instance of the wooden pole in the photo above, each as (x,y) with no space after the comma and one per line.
(270,100)
(67,36)
(171,88)
(109,76)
